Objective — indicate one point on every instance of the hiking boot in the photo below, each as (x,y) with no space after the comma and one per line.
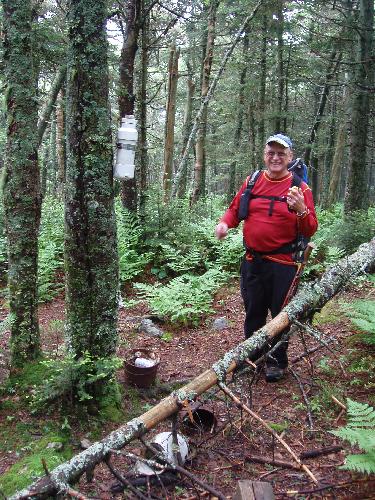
(274,373)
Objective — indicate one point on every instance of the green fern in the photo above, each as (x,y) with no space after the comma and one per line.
(185,298)
(132,260)
(362,314)
(360,431)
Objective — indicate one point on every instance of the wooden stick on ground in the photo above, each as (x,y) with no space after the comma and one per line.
(234,398)
(305,398)
(123,480)
(271,461)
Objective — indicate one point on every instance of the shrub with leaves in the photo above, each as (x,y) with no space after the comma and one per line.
(360,431)
(71,380)
(132,258)
(185,298)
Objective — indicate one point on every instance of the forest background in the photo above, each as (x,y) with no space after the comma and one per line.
(208,82)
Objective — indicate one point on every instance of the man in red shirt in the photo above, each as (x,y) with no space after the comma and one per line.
(277,214)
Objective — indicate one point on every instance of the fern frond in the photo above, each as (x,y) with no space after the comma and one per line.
(360,430)
(364,462)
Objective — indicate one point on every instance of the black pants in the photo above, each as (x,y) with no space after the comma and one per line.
(264,285)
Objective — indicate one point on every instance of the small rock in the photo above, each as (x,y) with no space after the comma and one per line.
(55,446)
(148,327)
(85,443)
(220,324)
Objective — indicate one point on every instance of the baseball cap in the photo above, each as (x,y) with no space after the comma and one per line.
(284,140)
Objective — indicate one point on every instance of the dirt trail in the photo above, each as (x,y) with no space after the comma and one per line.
(223,458)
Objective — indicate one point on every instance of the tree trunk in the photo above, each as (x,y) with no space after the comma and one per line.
(52,164)
(49,106)
(181,188)
(199,182)
(90,231)
(142,164)
(170,121)
(126,97)
(332,68)
(356,189)
(280,66)
(240,115)
(262,91)
(309,298)
(22,197)
(60,143)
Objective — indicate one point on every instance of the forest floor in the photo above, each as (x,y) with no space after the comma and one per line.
(224,455)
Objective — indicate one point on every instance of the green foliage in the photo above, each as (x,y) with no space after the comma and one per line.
(51,249)
(362,314)
(73,380)
(358,227)
(132,260)
(360,431)
(29,467)
(185,298)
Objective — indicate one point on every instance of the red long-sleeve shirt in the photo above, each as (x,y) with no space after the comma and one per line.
(263,232)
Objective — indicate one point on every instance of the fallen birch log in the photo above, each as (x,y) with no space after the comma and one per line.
(309,298)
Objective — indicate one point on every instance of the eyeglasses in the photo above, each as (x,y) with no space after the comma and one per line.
(271,154)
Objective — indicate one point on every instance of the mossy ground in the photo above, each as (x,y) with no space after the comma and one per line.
(29,467)
(330,313)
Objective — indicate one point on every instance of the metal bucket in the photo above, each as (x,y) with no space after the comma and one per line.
(141,376)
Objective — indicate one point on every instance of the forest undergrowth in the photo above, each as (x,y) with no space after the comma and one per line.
(187,278)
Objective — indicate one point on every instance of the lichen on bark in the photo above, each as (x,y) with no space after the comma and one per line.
(90,243)
(21,184)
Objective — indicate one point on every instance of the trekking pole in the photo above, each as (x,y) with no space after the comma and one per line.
(294,285)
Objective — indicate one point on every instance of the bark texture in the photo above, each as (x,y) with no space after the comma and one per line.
(308,299)
(126,93)
(90,242)
(356,190)
(200,146)
(170,120)
(22,197)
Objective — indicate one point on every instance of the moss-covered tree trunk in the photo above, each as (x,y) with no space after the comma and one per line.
(21,185)
(90,239)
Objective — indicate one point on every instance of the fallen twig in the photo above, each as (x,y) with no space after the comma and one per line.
(335,400)
(75,494)
(310,351)
(318,336)
(264,460)
(304,395)
(229,393)
(327,487)
(326,450)
(123,480)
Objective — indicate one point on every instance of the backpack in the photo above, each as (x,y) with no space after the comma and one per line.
(299,168)
(297,246)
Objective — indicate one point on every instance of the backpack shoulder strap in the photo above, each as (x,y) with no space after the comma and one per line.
(253,178)
(296,181)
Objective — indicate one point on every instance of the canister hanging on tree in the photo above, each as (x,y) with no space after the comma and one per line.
(127,136)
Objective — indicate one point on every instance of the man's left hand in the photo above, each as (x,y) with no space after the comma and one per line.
(296,200)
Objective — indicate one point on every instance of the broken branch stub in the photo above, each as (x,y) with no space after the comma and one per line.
(309,298)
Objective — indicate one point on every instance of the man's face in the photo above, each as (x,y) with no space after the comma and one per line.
(276,159)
